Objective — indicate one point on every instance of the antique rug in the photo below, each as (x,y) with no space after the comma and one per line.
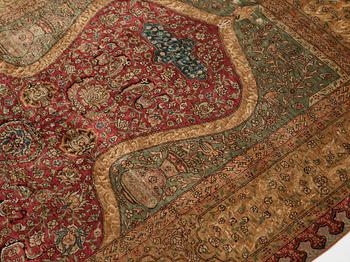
(173,130)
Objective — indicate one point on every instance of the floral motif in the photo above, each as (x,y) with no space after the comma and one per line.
(69,240)
(203,110)
(69,175)
(91,98)
(74,201)
(18,142)
(78,142)
(38,95)
(15,142)
(111,90)
(36,239)
(95,96)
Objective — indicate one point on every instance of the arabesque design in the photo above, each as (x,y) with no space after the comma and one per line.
(173,130)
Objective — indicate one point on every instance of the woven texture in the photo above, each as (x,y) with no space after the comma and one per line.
(173,130)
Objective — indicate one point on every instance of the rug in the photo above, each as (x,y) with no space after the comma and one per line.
(173,130)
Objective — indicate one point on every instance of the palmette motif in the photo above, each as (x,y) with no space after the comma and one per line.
(172,130)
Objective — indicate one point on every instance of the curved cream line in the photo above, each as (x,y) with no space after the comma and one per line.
(111,222)
(59,47)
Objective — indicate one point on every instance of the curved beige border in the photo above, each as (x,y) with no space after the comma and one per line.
(58,48)
(111,222)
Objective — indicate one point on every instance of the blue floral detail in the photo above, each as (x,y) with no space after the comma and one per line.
(18,143)
(169,49)
(15,141)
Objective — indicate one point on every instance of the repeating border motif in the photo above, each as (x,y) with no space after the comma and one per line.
(293,19)
(309,31)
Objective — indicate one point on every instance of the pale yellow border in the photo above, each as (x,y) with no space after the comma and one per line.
(58,48)
(111,222)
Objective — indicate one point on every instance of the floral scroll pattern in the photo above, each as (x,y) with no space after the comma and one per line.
(186,199)
(93,97)
(245,224)
(174,168)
